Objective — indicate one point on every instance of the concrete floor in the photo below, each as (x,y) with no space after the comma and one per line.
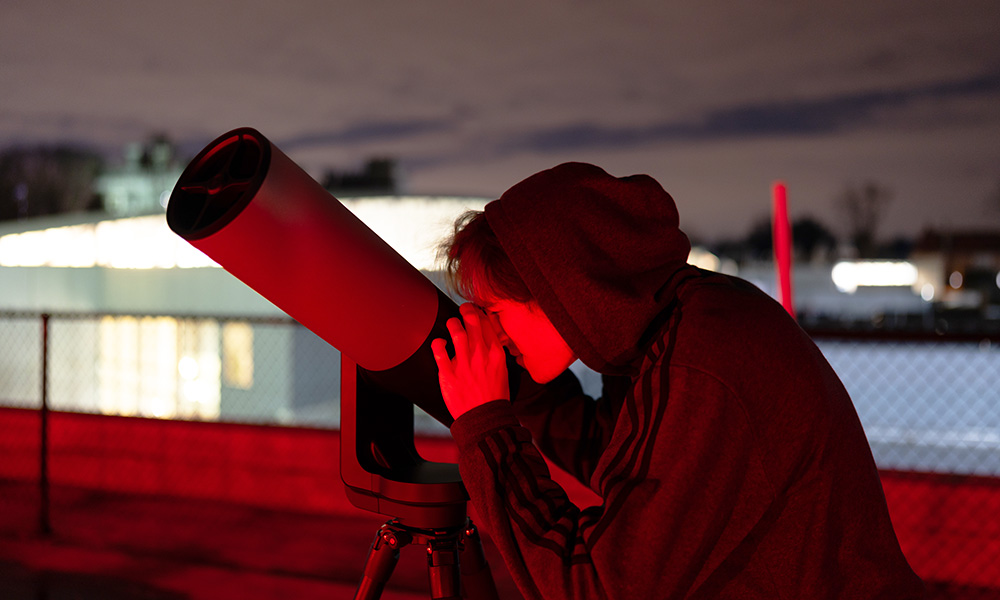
(116,547)
(130,547)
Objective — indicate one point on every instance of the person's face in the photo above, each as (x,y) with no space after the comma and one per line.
(531,339)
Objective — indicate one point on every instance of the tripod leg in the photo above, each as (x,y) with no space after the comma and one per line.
(443,569)
(476,575)
(382,558)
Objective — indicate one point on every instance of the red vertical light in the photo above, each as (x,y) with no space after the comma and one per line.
(782,234)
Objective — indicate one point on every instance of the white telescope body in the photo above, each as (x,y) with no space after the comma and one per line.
(246,205)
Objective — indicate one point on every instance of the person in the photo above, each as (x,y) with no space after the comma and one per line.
(729,458)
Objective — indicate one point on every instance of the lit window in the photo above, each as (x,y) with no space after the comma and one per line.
(237,355)
(159,367)
(197,371)
(118,367)
(849,276)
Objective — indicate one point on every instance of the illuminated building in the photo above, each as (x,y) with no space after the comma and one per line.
(137,352)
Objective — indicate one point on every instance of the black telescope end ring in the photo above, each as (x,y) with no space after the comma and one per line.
(218,183)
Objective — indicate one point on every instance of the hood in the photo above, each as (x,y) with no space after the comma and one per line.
(599,253)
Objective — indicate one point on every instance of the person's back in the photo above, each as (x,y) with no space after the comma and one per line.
(826,530)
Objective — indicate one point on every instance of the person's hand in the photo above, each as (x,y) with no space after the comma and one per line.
(478,373)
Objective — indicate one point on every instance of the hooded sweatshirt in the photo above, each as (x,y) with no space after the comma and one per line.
(728,455)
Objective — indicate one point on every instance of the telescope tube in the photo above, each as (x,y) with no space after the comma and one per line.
(246,205)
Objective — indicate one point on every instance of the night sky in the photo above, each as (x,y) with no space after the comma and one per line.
(714,99)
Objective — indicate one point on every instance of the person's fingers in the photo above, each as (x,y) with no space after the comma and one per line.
(459,339)
(482,325)
(439,348)
(492,330)
(477,374)
(498,329)
(472,318)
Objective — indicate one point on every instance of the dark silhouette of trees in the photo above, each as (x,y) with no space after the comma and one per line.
(759,243)
(810,236)
(377,176)
(864,207)
(46,180)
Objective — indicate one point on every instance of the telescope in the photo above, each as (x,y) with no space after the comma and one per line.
(251,209)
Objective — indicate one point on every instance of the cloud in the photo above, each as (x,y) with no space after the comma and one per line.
(473,95)
(834,114)
(367,132)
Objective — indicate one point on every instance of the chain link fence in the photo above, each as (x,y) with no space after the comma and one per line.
(926,405)
(930,407)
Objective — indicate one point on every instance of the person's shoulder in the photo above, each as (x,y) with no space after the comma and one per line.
(728,302)
(722,318)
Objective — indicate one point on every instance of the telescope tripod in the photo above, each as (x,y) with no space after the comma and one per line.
(456,564)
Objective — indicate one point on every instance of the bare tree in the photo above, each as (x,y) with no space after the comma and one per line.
(864,207)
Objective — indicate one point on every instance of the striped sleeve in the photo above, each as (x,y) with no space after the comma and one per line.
(569,427)
(527,514)
(681,484)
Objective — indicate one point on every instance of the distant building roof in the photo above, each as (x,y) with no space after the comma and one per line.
(958,241)
(412,225)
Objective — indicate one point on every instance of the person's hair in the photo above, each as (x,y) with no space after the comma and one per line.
(476,265)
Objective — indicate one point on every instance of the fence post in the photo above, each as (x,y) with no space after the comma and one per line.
(44,521)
